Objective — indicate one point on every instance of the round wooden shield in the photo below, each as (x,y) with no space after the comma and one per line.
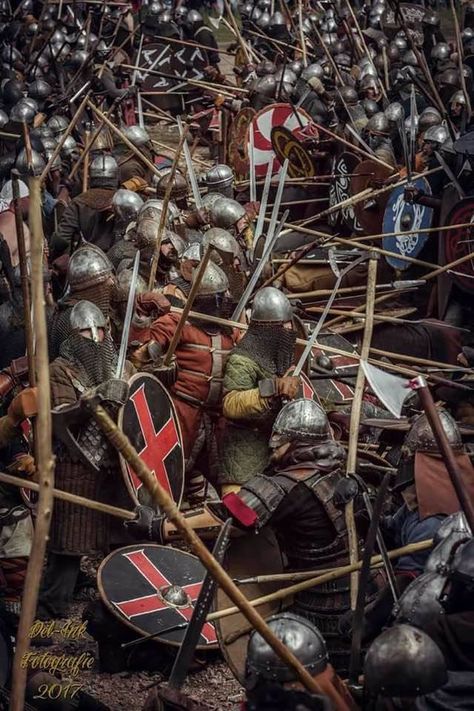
(404,217)
(370,212)
(237,150)
(286,145)
(340,189)
(285,115)
(163,92)
(153,588)
(412,15)
(459,242)
(150,422)
(247,556)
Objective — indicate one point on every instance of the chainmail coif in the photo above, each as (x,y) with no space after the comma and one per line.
(96,361)
(270,345)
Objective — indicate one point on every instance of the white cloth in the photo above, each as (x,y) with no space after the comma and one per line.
(6,194)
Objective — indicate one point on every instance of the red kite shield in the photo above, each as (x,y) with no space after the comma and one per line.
(151,424)
(153,588)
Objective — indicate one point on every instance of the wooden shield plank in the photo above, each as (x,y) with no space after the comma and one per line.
(250,555)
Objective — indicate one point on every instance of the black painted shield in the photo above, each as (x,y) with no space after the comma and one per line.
(134,585)
(151,424)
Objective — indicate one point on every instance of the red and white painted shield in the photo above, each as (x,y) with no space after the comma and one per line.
(293,119)
(149,420)
(152,589)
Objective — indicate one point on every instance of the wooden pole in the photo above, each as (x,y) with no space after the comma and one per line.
(85,172)
(187,307)
(355,420)
(44,463)
(70,498)
(318,580)
(164,211)
(166,504)
(66,133)
(123,138)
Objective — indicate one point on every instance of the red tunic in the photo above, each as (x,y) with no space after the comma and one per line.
(201,359)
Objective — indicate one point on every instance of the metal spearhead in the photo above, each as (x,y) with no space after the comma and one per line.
(190,168)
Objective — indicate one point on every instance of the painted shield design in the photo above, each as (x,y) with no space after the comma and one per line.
(237,150)
(268,118)
(459,242)
(330,391)
(340,189)
(247,556)
(370,212)
(286,145)
(152,588)
(185,62)
(412,15)
(405,219)
(151,424)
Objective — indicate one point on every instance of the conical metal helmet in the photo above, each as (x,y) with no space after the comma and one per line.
(404,662)
(88,266)
(214,281)
(301,419)
(270,305)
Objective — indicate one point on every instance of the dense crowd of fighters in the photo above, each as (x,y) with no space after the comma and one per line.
(240,300)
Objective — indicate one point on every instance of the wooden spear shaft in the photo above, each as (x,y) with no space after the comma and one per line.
(90,144)
(66,133)
(187,307)
(85,172)
(162,499)
(355,420)
(44,456)
(70,498)
(319,579)
(164,211)
(123,138)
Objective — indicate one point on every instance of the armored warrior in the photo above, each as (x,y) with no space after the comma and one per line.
(88,215)
(297,496)
(86,362)
(255,384)
(201,354)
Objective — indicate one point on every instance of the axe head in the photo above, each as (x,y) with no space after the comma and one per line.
(391,390)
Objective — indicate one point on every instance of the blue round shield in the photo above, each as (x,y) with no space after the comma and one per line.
(402,222)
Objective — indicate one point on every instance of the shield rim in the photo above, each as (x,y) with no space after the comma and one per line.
(455,278)
(425,186)
(233,136)
(127,623)
(267,109)
(218,602)
(123,463)
(289,138)
(364,218)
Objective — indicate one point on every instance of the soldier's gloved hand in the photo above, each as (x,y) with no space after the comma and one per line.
(132,90)
(23,405)
(23,464)
(288,386)
(150,303)
(113,390)
(411,193)
(148,525)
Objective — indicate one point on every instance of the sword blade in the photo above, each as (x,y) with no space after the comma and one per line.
(258,270)
(383,551)
(128,318)
(253,187)
(201,608)
(263,202)
(276,204)
(190,168)
(322,318)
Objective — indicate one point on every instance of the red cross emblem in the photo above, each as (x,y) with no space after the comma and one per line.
(158,445)
(307,389)
(148,604)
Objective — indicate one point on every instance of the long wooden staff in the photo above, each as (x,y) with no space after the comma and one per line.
(85,172)
(44,456)
(164,211)
(70,498)
(25,286)
(90,145)
(161,498)
(355,419)
(187,307)
(123,138)
(460,53)
(66,133)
